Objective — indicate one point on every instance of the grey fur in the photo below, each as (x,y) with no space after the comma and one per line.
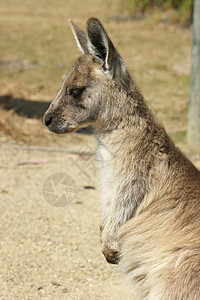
(150,191)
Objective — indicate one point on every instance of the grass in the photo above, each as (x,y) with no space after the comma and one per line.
(37,34)
(178,136)
(179,11)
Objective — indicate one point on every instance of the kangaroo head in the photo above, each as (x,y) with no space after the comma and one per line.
(87,90)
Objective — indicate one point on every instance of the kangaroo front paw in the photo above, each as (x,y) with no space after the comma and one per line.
(111,255)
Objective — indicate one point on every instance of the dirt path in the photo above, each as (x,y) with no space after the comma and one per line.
(50,212)
(50,246)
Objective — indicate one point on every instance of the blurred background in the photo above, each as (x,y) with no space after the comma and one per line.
(37,49)
(49,209)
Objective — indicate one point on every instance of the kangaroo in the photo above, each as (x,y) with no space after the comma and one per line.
(150,192)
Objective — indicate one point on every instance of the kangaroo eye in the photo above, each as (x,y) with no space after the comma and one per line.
(76,92)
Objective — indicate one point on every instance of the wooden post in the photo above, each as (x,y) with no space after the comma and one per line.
(194,106)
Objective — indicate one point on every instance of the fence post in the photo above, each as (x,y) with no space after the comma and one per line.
(194,106)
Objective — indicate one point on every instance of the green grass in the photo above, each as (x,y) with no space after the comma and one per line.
(181,10)
(178,136)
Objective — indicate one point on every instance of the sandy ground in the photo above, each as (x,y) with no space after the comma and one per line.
(50,212)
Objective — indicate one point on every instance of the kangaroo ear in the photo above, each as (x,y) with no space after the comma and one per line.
(101,47)
(80,37)
(99,44)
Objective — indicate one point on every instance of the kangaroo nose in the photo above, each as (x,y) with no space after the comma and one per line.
(48,119)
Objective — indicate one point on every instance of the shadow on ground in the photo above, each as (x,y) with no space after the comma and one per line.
(23,107)
(31,109)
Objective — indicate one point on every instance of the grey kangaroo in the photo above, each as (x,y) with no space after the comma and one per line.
(150,191)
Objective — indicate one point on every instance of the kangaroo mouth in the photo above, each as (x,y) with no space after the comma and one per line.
(60,129)
(54,124)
